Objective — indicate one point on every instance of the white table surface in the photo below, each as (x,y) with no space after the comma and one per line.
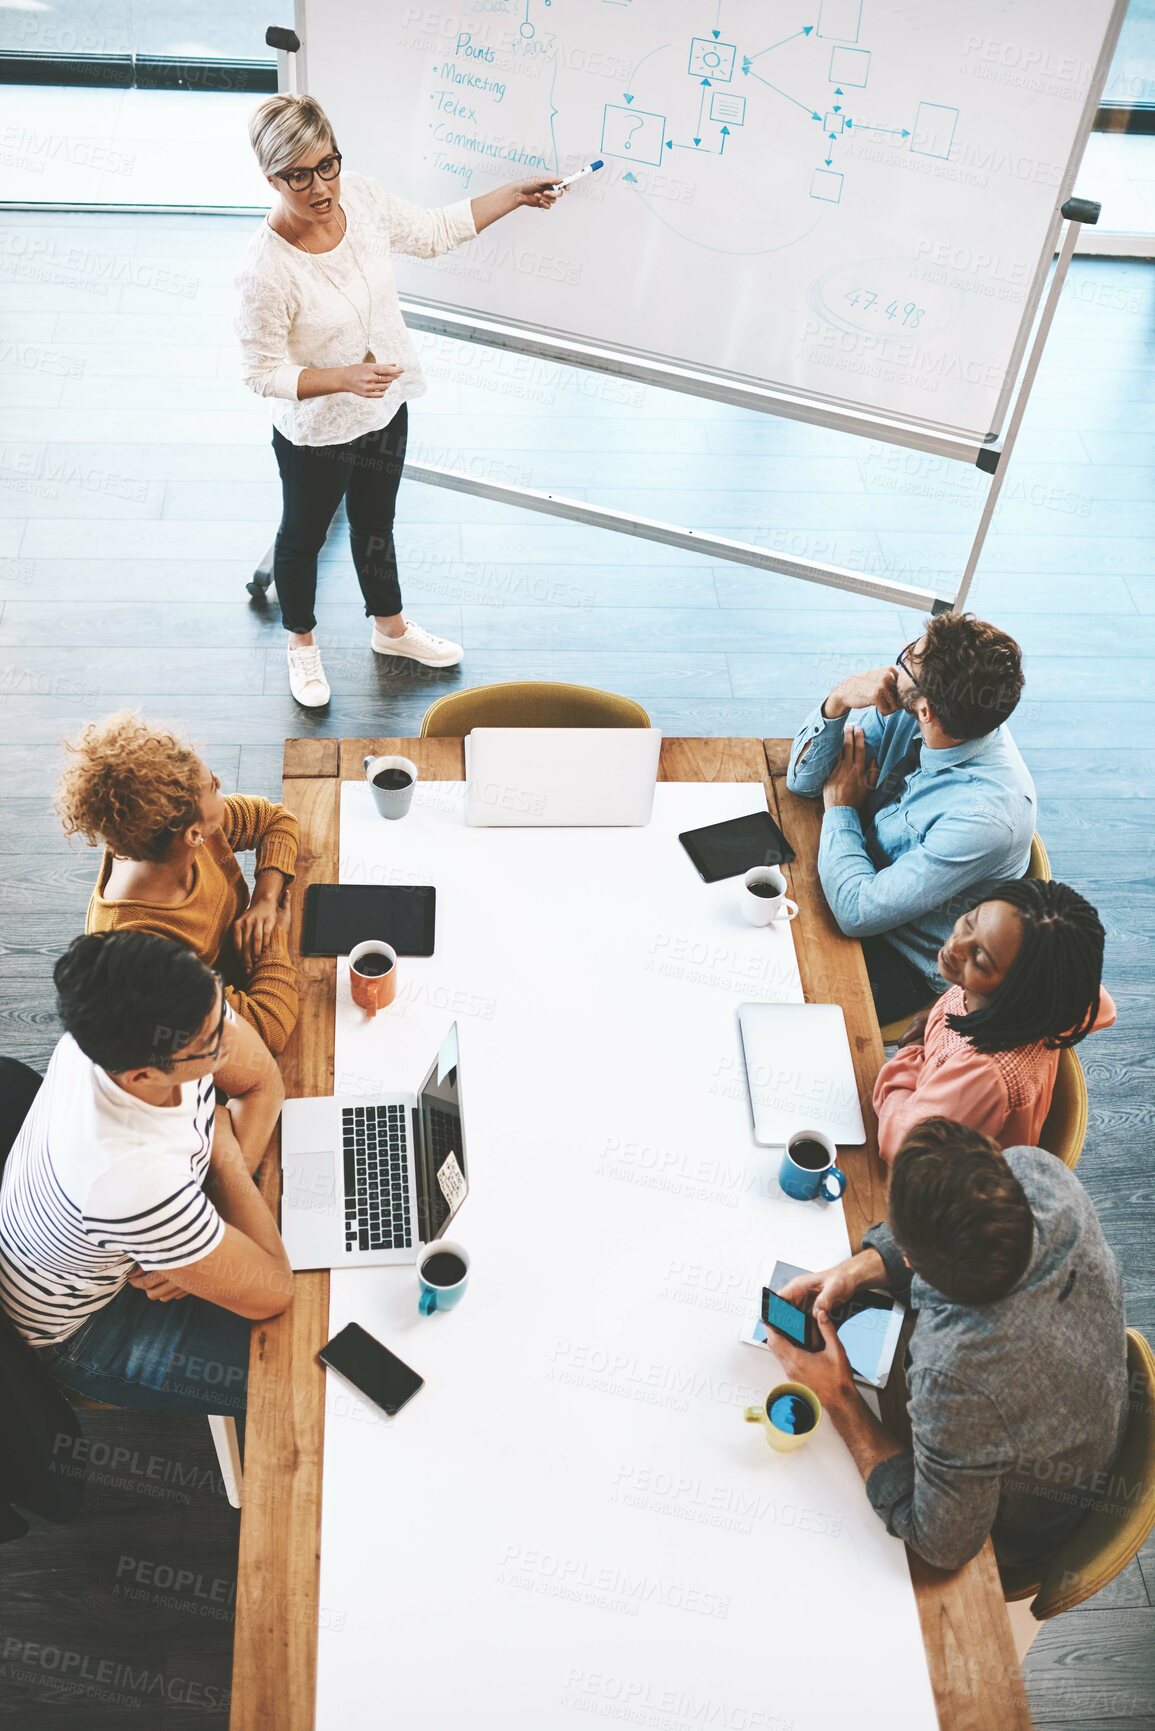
(571,1521)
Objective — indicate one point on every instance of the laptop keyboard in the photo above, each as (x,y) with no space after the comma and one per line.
(444,1134)
(374,1140)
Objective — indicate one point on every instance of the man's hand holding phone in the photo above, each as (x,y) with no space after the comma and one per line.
(830,1287)
(826,1371)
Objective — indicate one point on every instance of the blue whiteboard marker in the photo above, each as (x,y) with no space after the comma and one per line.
(590,168)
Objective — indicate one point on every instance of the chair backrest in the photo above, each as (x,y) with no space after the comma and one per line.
(1065,1128)
(19,1086)
(529,703)
(1107,1539)
(1039,865)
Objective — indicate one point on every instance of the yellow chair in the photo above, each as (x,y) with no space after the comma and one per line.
(529,703)
(1106,1539)
(1038,867)
(1065,1129)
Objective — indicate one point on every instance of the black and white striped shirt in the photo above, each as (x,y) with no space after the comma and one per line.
(96,1182)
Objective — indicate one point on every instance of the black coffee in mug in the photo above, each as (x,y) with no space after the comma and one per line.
(443,1268)
(791,1414)
(373,965)
(393,780)
(811,1155)
(763,889)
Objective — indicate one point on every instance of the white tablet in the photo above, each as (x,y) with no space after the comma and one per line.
(800,1073)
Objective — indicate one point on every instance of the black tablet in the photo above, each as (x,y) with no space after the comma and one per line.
(724,850)
(340,916)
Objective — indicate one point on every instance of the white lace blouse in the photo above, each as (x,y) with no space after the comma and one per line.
(299,309)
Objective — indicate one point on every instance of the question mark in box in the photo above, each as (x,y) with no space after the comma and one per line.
(634,134)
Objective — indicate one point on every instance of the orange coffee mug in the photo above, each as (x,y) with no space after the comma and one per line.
(373,975)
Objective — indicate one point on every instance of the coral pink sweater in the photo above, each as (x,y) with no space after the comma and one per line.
(1006,1095)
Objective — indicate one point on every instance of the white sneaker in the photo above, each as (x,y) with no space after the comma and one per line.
(417,644)
(307,680)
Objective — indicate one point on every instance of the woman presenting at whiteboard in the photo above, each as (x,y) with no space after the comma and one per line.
(321,332)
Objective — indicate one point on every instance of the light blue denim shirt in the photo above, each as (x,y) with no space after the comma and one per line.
(964,822)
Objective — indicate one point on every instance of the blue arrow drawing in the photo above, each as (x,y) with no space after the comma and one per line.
(804,106)
(748,59)
(629,94)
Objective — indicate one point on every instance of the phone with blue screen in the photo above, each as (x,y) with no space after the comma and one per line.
(869,1325)
(795,1322)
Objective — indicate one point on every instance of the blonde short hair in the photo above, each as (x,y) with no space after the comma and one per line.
(129,785)
(285,128)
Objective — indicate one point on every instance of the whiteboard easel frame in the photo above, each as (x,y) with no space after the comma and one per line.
(991,457)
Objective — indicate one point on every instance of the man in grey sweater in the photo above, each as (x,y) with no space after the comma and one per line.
(1017,1368)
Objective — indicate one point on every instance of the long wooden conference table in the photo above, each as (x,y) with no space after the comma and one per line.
(974,1675)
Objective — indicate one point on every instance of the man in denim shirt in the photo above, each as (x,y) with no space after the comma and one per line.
(1017,1369)
(928,803)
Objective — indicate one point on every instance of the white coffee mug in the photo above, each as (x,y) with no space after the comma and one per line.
(392,801)
(764,897)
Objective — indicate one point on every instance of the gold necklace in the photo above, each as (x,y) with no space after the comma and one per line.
(369,357)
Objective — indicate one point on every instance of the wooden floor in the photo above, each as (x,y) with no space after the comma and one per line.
(137,490)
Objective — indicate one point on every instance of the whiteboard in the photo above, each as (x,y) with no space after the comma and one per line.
(851,200)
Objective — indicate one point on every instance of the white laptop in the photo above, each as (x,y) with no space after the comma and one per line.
(373,1180)
(800,1073)
(561,777)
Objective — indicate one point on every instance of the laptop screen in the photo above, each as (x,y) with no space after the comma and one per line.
(440,1143)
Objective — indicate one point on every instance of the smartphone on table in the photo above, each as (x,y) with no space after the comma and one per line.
(372,1369)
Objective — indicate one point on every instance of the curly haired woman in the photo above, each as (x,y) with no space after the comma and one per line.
(170,840)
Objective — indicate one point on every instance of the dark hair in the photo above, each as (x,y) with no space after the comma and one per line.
(1052,989)
(970,673)
(131,998)
(958,1213)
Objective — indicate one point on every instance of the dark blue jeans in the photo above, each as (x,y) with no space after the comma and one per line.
(366,473)
(899,987)
(185,1356)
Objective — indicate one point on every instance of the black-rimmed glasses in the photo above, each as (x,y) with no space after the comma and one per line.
(901,661)
(213,1053)
(301,179)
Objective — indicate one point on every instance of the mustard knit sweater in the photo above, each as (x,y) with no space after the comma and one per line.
(219,896)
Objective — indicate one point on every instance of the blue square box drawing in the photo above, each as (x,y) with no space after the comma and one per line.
(850,66)
(934,130)
(711,59)
(633,134)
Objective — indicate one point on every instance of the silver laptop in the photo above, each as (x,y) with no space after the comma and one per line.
(561,777)
(800,1072)
(373,1180)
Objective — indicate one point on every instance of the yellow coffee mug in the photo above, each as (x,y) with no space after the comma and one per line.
(782,1404)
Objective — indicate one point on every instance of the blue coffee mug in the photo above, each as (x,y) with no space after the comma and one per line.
(806,1182)
(435,1296)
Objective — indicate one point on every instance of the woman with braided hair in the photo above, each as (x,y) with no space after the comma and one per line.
(1024,972)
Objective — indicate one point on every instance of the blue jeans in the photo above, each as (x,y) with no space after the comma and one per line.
(899,987)
(185,1356)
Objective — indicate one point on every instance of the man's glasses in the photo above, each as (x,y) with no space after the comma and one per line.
(214,1052)
(901,660)
(301,179)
